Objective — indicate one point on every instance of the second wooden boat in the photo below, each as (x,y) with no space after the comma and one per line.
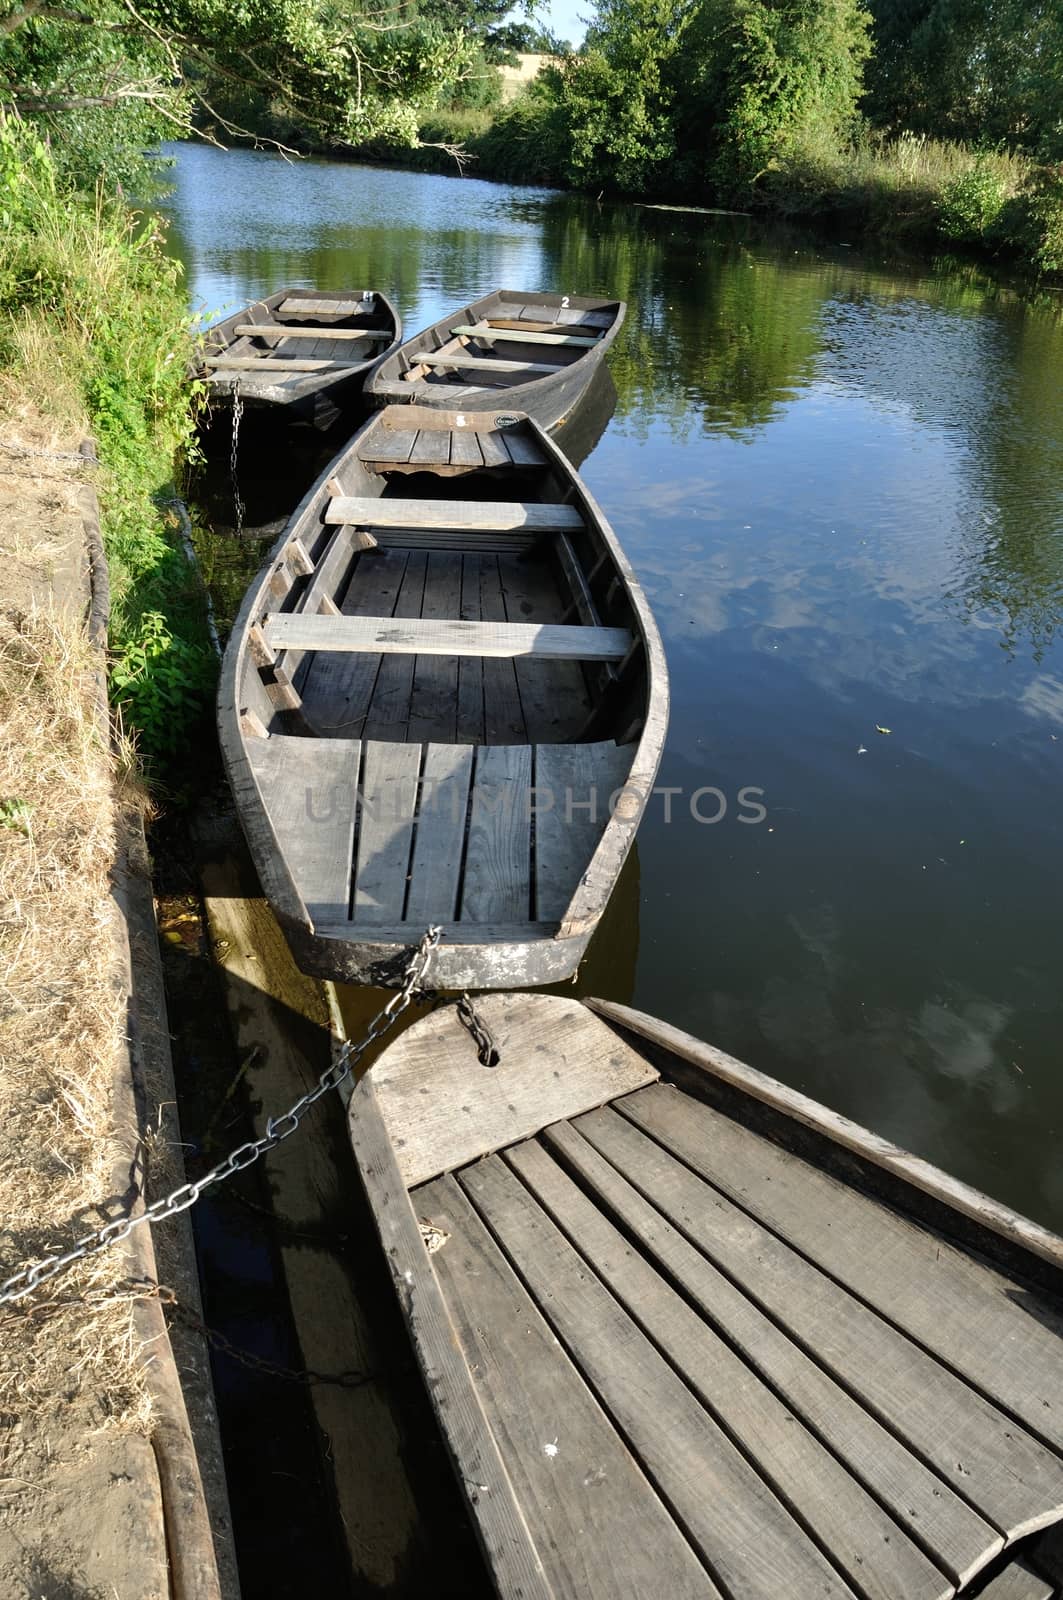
(299,347)
(444,701)
(689,1333)
(531,352)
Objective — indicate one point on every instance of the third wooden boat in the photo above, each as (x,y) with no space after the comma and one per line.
(690,1334)
(299,348)
(444,701)
(532,352)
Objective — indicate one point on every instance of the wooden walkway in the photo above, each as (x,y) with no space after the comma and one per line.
(685,1360)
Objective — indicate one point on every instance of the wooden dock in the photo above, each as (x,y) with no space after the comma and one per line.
(690,1334)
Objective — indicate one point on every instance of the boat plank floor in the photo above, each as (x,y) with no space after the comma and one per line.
(599,1525)
(885,1259)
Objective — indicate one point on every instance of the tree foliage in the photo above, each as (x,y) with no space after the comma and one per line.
(103,84)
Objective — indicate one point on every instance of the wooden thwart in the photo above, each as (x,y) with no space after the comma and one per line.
(430,358)
(451,514)
(258,330)
(275,364)
(298,306)
(484,331)
(398,636)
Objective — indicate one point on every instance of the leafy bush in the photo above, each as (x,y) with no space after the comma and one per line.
(971,206)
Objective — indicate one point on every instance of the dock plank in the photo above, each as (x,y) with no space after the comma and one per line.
(1008,1476)
(497,885)
(977,1320)
(568,779)
(961,1541)
(385,830)
(601,1528)
(309,788)
(435,875)
(747,1538)
(864,1541)
(443,1109)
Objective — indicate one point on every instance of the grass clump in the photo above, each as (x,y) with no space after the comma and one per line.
(94,323)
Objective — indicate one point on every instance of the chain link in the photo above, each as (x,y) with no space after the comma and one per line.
(306,1376)
(23,1283)
(238,412)
(486,1050)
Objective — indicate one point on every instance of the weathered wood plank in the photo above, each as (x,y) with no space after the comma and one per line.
(1012,1480)
(746,1537)
(1017,1582)
(508,1547)
(469,728)
(573,787)
(389,710)
(504,721)
(961,1541)
(387,444)
(1001,1339)
(432,358)
(484,331)
(439,842)
(338,688)
(313,306)
(432,447)
(495,453)
(565,315)
(465,448)
(873,1552)
(496,515)
(443,1109)
(309,787)
(259,330)
(602,1529)
(553,695)
(385,828)
(291,630)
(276,364)
(433,702)
(522,451)
(497,886)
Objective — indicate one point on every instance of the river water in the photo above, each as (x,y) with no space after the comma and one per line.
(840,479)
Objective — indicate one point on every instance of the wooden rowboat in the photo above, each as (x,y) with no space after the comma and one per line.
(688,1333)
(443,710)
(299,347)
(534,353)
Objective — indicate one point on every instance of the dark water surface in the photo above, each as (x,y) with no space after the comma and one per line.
(841,482)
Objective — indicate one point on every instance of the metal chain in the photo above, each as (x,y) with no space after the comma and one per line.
(486,1049)
(22,1283)
(307,1376)
(238,412)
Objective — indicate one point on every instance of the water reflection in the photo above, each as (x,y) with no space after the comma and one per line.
(840,480)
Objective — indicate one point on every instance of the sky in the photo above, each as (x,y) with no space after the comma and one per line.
(563,17)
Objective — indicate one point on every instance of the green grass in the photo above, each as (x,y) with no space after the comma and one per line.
(95,328)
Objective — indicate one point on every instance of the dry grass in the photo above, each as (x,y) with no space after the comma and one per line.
(62,1013)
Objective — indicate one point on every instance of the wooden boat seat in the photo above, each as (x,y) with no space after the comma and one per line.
(308,306)
(276,364)
(447,449)
(484,330)
(438,358)
(453,515)
(258,330)
(393,834)
(428,636)
(696,1362)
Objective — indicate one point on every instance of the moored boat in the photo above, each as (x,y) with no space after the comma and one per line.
(688,1332)
(533,352)
(299,348)
(444,710)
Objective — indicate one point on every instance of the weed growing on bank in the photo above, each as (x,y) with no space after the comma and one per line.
(95,330)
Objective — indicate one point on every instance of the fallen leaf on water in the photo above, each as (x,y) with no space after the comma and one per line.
(862,750)
(882,730)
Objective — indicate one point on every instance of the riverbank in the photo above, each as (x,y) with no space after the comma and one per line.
(926,194)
